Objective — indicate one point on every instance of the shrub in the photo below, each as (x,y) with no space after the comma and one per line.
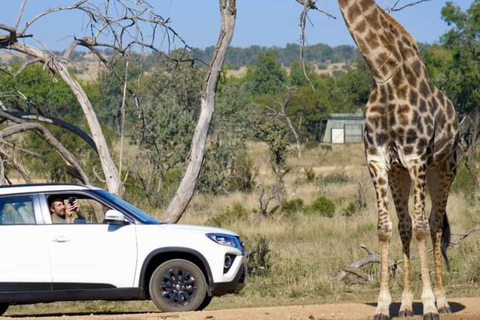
(230,215)
(309,174)
(351,209)
(336,177)
(323,207)
(259,258)
(243,175)
(292,206)
(312,144)
(465,184)
(326,147)
(322,66)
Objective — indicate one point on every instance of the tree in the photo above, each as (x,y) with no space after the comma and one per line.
(268,77)
(111,23)
(187,186)
(463,70)
(170,99)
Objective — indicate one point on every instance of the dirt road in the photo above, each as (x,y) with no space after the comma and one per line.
(463,309)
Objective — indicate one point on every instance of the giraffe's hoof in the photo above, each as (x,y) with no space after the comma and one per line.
(445,310)
(405,313)
(431,316)
(381,316)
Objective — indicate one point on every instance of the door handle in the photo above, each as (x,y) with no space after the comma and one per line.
(61,239)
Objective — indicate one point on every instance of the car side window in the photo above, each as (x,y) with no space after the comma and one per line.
(84,210)
(92,210)
(16,210)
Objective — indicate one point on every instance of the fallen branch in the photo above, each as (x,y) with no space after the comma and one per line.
(354,268)
(394,266)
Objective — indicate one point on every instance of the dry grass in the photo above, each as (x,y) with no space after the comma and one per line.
(307,250)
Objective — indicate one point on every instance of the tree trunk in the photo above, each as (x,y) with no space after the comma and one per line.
(109,169)
(185,191)
(59,123)
(50,139)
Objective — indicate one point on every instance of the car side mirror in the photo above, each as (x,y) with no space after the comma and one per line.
(115,217)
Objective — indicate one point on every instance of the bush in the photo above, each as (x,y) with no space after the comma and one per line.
(465,184)
(230,215)
(292,206)
(243,175)
(351,209)
(326,147)
(309,174)
(259,258)
(336,177)
(323,207)
(312,144)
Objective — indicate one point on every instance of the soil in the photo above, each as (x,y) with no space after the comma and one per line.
(462,308)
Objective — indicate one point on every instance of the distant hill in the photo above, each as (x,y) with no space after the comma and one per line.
(326,59)
(316,54)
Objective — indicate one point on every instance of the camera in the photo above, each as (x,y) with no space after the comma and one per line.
(71,200)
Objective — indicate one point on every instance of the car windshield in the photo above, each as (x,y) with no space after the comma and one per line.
(139,214)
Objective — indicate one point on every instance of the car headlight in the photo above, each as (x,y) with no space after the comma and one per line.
(226,240)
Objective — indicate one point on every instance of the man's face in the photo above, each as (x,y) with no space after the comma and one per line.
(58,207)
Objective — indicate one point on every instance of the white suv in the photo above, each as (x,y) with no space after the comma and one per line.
(112,251)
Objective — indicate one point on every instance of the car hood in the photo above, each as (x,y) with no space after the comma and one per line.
(198,229)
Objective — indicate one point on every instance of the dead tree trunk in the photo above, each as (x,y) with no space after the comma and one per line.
(187,186)
(22,126)
(110,170)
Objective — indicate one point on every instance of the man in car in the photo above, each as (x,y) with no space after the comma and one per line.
(62,213)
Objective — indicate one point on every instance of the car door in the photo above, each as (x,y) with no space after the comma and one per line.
(92,254)
(25,247)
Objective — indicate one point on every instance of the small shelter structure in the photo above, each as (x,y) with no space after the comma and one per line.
(344,128)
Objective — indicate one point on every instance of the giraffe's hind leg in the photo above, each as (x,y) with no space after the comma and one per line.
(439,180)
(400,184)
(417,168)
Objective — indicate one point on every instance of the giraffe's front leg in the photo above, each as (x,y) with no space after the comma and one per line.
(422,231)
(400,183)
(440,296)
(380,182)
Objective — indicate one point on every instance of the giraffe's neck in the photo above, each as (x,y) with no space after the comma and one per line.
(383,42)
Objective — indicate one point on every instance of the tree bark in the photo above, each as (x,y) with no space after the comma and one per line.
(110,170)
(185,191)
(48,137)
(59,123)
(14,163)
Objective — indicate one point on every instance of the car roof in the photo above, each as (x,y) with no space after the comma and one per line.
(43,187)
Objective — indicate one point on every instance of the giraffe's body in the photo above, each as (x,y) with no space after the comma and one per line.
(411,136)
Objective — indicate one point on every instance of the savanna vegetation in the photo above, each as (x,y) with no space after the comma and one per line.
(301,207)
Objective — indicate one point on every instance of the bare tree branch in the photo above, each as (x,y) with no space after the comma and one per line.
(22,126)
(21,69)
(29,152)
(394,8)
(59,123)
(42,14)
(20,13)
(16,164)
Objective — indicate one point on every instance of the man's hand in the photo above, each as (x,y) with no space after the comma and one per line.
(74,208)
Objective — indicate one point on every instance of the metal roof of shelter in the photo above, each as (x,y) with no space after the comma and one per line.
(346,116)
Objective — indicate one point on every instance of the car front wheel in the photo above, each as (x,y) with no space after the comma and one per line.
(3,308)
(178,285)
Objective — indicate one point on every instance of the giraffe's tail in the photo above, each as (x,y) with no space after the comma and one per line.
(445,240)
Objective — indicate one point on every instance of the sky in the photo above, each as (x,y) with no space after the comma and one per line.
(259,22)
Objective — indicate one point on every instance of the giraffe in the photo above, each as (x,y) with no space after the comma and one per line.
(410,137)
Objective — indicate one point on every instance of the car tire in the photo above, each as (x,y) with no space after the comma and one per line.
(205,302)
(178,285)
(3,308)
